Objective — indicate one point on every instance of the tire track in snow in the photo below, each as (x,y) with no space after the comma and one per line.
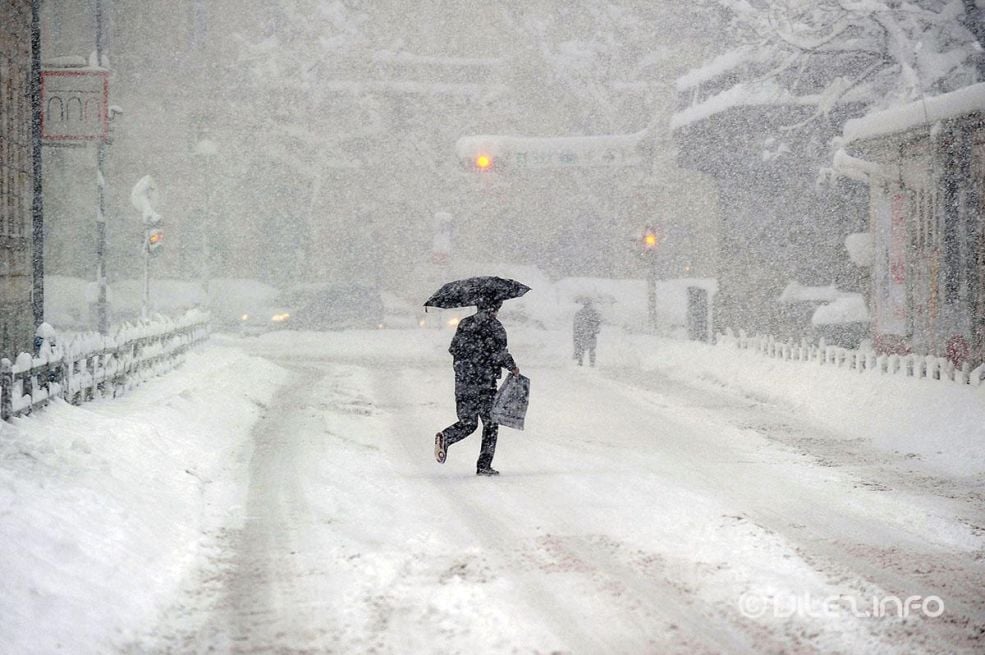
(648,613)
(878,558)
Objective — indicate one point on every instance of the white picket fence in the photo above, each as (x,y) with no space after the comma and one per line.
(91,365)
(925,367)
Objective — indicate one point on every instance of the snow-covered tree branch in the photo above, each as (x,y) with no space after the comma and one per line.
(883,52)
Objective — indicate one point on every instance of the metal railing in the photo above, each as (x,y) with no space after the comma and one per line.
(92,366)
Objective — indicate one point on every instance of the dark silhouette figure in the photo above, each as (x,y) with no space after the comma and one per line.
(479,354)
(587,325)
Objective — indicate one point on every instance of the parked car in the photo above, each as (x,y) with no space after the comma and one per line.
(334,307)
(246,306)
(258,319)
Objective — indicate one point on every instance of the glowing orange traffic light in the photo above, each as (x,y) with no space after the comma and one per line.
(154,239)
(650,240)
(483,162)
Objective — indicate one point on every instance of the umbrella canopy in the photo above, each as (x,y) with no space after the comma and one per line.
(475,290)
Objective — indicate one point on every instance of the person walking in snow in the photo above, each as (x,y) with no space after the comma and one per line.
(587,325)
(479,353)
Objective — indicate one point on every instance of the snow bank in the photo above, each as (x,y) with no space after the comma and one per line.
(67,298)
(552,305)
(65,304)
(168,296)
(624,303)
(103,508)
(938,425)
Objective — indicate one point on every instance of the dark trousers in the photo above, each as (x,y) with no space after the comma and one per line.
(473,404)
(581,347)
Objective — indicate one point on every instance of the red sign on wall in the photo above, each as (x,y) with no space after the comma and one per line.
(74,105)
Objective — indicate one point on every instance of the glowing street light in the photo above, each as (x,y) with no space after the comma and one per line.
(483,162)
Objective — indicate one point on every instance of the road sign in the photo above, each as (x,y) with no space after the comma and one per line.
(74,105)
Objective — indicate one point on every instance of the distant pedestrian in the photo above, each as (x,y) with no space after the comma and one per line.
(479,353)
(587,325)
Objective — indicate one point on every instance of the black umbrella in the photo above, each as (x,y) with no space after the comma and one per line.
(475,290)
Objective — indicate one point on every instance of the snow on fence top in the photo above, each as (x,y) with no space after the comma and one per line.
(861,361)
(926,111)
(88,365)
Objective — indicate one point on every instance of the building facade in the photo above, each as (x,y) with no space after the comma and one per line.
(16,178)
(776,224)
(925,164)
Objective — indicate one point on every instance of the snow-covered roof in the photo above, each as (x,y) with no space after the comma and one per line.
(540,152)
(958,103)
(796,292)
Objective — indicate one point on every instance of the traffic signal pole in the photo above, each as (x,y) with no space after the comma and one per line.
(651,289)
(102,312)
(37,199)
(142,197)
(651,244)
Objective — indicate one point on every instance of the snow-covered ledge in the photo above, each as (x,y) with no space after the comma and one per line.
(921,112)
(854,168)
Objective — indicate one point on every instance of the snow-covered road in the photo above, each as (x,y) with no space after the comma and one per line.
(633,515)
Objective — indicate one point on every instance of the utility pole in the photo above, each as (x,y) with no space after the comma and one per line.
(206,150)
(143,196)
(102,311)
(37,200)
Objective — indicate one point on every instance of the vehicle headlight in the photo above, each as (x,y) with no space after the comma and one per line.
(244,317)
(280,318)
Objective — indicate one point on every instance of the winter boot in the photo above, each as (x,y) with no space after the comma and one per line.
(440,449)
(486,470)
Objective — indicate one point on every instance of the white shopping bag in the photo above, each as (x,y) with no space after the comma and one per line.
(510,406)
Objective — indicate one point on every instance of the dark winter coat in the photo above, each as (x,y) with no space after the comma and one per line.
(479,352)
(587,325)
